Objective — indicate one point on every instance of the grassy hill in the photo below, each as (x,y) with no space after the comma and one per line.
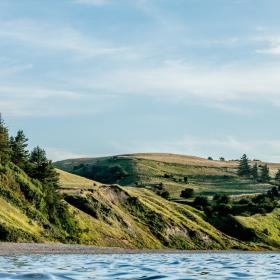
(105,215)
(23,214)
(134,217)
(206,177)
(113,215)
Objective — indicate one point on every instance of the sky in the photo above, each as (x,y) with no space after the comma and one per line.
(107,77)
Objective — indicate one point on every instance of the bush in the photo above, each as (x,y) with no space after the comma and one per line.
(201,202)
(244,201)
(165,194)
(187,193)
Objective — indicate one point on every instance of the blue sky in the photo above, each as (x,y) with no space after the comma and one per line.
(102,77)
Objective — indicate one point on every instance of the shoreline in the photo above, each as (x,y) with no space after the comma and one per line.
(11,249)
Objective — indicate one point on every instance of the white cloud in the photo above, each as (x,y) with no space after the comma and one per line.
(272,43)
(55,38)
(211,85)
(272,50)
(29,101)
(56,154)
(92,2)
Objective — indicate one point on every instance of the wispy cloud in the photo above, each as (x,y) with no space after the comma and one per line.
(56,154)
(92,2)
(55,38)
(178,80)
(271,44)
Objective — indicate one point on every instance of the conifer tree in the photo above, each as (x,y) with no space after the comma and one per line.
(265,174)
(19,145)
(254,172)
(277,177)
(38,163)
(244,168)
(5,149)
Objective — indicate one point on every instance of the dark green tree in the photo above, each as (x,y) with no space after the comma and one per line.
(244,168)
(19,154)
(40,167)
(187,193)
(5,149)
(277,177)
(165,194)
(254,172)
(201,202)
(265,174)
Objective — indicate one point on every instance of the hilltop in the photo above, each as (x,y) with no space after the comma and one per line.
(174,172)
(133,201)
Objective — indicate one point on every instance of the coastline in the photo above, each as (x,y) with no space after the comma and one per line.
(11,249)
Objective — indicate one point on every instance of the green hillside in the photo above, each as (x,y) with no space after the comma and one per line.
(133,217)
(173,172)
(111,215)
(23,204)
(121,201)
(105,216)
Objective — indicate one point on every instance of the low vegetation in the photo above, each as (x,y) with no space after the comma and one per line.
(141,201)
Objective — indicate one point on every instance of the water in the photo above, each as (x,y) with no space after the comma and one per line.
(143,266)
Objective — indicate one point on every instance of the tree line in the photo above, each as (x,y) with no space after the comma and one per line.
(259,173)
(36,165)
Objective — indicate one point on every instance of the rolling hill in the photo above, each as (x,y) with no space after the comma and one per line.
(118,216)
(173,172)
(105,215)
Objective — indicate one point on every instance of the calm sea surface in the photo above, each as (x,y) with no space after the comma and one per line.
(143,266)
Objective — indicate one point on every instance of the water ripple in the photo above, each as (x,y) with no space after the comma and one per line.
(143,266)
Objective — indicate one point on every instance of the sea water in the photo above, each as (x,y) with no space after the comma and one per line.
(143,266)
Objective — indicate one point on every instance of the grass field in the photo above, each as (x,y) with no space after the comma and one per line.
(206,177)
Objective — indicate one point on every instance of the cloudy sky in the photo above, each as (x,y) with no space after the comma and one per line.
(102,77)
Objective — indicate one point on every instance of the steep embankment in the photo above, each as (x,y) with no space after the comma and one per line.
(23,214)
(174,172)
(110,215)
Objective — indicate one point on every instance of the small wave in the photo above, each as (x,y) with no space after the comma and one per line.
(141,267)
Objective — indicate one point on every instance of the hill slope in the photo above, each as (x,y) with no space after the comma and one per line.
(111,215)
(23,214)
(174,172)
(137,218)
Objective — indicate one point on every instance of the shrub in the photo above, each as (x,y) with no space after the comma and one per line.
(187,193)
(165,194)
(201,202)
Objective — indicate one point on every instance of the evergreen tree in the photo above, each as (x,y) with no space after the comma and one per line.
(40,168)
(265,174)
(254,172)
(19,154)
(5,149)
(244,168)
(277,177)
